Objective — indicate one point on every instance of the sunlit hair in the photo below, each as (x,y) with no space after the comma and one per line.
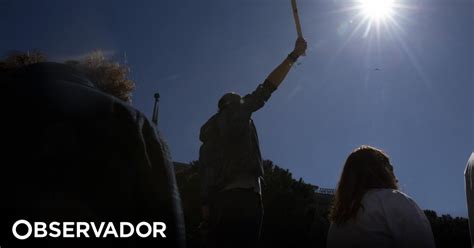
(109,76)
(17,59)
(366,168)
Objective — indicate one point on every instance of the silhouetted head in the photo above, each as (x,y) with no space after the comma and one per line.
(107,75)
(229,99)
(366,168)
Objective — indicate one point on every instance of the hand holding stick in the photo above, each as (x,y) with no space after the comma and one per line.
(297,21)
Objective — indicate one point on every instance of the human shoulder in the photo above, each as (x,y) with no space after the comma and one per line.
(129,121)
(389,195)
(390,200)
(397,205)
(406,221)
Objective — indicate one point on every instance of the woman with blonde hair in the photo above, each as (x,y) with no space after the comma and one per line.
(370,211)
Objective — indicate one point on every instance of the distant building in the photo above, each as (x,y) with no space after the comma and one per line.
(325,197)
(326,191)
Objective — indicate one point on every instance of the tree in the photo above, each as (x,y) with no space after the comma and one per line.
(449,231)
(295,214)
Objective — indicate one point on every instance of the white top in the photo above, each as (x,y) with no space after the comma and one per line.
(469,179)
(390,218)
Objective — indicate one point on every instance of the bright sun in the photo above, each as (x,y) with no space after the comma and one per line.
(377,9)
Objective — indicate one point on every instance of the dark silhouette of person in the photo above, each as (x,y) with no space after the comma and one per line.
(231,163)
(74,153)
(370,211)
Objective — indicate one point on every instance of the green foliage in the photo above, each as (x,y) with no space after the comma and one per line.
(291,208)
(449,231)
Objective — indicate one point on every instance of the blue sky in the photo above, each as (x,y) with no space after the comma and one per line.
(417,107)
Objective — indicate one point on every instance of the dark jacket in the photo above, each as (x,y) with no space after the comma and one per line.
(75,153)
(230,146)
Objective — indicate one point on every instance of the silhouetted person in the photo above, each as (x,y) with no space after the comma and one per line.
(231,163)
(369,211)
(469,179)
(74,153)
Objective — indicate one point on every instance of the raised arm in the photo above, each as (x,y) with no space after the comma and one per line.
(254,101)
(277,76)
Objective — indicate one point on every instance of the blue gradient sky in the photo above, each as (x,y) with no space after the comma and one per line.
(418,107)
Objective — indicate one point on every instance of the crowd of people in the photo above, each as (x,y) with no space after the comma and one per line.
(82,152)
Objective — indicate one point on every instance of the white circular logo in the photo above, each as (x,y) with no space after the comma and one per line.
(28,233)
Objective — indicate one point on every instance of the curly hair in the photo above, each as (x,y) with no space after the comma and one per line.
(107,75)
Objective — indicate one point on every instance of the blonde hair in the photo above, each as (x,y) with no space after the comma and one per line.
(17,59)
(107,75)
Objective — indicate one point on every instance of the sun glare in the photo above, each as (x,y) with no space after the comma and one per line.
(377,9)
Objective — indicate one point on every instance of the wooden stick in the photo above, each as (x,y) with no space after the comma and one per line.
(297,19)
